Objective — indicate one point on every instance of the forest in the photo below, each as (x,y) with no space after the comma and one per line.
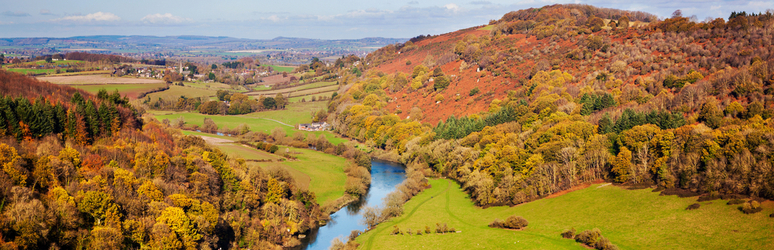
(85,171)
(573,94)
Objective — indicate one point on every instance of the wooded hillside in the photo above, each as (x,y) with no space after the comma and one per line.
(547,98)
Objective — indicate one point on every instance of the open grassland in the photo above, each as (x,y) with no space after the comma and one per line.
(295,91)
(630,219)
(34,71)
(265,121)
(94,72)
(130,90)
(326,172)
(318,85)
(174,92)
(189,132)
(247,153)
(97,79)
(308,98)
(282,68)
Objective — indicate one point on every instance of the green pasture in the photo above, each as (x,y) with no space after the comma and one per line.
(326,172)
(281,68)
(265,121)
(122,88)
(34,71)
(174,92)
(630,219)
(308,98)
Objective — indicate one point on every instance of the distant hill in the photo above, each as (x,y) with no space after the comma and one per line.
(183,43)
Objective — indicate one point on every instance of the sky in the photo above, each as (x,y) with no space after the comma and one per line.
(320,19)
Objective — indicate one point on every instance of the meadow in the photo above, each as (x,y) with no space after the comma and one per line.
(264,121)
(174,92)
(130,90)
(630,219)
(34,71)
(282,68)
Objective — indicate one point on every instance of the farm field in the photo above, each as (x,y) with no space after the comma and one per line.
(282,68)
(326,172)
(294,91)
(308,98)
(265,121)
(630,219)
(130,90)
(174,92)
(34,71)
(97,79)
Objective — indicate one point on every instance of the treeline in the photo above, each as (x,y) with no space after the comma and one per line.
(83,118)
(237,104)
(89,57)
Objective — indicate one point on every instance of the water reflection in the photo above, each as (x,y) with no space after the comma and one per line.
(384,177)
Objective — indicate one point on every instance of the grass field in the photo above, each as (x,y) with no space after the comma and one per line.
(265,121)
(295,91)
(308,98)
(174,92)
(34,71)
(97,79)
(630,219)
(326,172)
(282,68)
(129,90)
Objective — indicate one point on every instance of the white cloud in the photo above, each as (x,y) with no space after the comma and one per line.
(452,7)
(93,17)
(164,19)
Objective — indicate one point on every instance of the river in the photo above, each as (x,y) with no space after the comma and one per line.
(385,176)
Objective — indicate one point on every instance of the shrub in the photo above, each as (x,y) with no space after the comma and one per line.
(751,207)
(439,98)
(605,244)
(512,222)
(569,234)
(408,62)
(395,230)
(474,91)
(735,202)
(589,237)
(516,222)
(693,206)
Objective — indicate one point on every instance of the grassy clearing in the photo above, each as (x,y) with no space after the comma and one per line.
(318,85)
(295,91)
(34,71)
(188,132)
(265,121)
(174,92)
(326,172)
(124,89)
(95,72)
(282,68)
(244,152)
(487,28)
(631,219)
(308,98)
(96,79)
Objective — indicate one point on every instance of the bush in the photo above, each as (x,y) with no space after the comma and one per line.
(735,202)
(513,222)
(605,244)
(474,91)
(589,237)
(516,222)
(273,149)
(751,207)
(569,234)
(693,206)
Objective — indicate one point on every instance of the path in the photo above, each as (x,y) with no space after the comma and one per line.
(279,122)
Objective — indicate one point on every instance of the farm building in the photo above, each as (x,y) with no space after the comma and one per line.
(315,126)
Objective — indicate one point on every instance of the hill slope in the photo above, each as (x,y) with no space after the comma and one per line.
(544,99)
